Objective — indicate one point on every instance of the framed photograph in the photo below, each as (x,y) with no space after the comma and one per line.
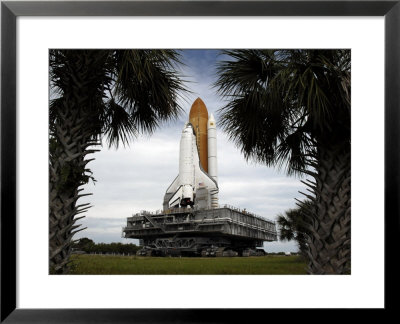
(31,30)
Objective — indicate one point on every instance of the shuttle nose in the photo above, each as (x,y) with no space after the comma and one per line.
(188,128)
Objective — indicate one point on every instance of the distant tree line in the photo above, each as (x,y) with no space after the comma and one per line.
(282,253)
(89,246)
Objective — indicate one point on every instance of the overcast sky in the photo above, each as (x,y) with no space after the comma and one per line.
(135,178)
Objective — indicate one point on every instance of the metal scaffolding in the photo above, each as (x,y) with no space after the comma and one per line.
(194,230)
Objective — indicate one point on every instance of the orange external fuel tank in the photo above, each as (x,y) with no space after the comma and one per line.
(198,117)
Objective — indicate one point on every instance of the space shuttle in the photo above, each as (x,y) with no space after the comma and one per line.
(196,185)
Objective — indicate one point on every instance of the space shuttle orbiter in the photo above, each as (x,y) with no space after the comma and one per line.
(196,184)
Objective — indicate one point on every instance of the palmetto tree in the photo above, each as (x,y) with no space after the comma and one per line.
(292,226)
(291,109)
(109,94)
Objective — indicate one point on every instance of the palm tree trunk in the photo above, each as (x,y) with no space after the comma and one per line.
(329,239)
(66,161)
(81,78)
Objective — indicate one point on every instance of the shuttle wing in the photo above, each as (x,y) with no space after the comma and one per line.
(203,179)
(174,185)
(176,198)
(171,192)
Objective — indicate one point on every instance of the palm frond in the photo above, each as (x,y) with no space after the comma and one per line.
(118,125)
(148,85)
(281,101)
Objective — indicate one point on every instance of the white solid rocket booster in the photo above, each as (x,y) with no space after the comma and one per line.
(212,148)
(212,156)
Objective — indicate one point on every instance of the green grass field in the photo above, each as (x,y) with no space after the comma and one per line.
(107,264)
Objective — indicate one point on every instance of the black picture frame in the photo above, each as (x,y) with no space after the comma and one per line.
(10,10)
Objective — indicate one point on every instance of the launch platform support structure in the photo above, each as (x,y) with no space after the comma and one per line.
(184,231)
